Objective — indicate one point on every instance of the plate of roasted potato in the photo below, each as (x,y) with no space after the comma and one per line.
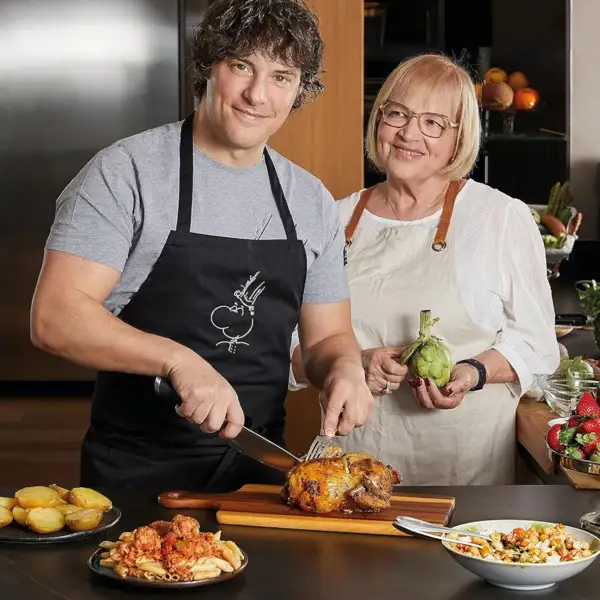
(49,514)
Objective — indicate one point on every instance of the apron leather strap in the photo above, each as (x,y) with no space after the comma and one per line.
(357,214)
(439,243)
(442,231)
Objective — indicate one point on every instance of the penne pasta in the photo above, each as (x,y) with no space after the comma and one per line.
(235,548)
(107,562)
(121,570)
(222,564)
(206,575)
(190,556)
(153,567)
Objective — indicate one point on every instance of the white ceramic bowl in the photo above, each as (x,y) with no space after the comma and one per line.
(517,576)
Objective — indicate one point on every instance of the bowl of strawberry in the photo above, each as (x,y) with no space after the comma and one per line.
(575,440)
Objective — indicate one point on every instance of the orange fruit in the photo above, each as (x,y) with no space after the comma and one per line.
(478,90)
(526,98)
(496,96)
(517,81)
(495,75)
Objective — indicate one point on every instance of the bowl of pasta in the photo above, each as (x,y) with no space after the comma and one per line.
(520,554)
(169,554)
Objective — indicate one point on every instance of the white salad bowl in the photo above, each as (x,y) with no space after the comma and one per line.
(521,576)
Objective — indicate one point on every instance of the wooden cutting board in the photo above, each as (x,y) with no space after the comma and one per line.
(262,506)
(582,481)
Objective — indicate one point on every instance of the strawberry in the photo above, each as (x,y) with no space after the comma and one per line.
(574,452)
(559,436)
(588,442)
(587,405)
(590,426)
(574,422)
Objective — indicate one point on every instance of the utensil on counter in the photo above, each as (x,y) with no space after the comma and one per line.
(420,525)
(249,442)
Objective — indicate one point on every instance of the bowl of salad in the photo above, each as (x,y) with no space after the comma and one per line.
(521,554)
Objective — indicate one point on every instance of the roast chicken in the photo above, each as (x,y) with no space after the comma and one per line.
(340,482)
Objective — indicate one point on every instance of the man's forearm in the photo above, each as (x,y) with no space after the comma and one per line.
(319,359)
(82,331)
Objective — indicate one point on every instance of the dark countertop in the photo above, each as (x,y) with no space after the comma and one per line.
(293,565)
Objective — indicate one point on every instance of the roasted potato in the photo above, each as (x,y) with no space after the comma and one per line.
(67,509)
(45,520)
(84,520)
(61,491)
(88,498)
(38,496)
(6,516)
(9,503)
(20,515)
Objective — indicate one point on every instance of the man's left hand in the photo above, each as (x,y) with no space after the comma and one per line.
(346,399)
(463,378)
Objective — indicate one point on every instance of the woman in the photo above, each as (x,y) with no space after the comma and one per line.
(429,238)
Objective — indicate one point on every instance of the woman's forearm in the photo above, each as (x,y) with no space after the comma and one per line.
(498,369)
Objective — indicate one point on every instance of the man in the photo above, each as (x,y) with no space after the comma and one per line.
(191,252)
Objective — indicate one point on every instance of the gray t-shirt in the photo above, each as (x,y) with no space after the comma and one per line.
(119,210)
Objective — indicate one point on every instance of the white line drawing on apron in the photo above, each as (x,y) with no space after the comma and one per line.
(236,321)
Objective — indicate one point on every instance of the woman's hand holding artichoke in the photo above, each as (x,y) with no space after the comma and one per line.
(463,378)
(382,371)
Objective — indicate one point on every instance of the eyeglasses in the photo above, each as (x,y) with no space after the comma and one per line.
(430,124)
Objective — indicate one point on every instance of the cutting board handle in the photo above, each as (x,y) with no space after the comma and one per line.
(188,499)
(185,499)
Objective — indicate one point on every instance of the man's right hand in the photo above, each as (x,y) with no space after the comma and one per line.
(207,398)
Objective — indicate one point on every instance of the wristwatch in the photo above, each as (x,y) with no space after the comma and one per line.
(480,369)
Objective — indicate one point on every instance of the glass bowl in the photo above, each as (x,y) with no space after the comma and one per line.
(562,394)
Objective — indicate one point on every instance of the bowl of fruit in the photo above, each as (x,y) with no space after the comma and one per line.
(575,441)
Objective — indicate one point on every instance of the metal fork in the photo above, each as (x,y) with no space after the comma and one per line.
(320,443)
(425,526)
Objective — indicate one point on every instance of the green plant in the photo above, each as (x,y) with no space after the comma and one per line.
(589,298)
(560,202)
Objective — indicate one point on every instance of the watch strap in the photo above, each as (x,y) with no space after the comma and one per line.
(480,369)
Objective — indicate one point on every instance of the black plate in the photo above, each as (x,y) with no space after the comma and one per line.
(94,565)
(16,534)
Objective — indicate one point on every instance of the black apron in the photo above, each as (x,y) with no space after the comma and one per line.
(233,301)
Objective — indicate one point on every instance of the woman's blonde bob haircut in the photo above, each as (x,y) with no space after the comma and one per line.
(434,73)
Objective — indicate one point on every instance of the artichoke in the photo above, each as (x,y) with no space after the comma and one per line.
(428,357)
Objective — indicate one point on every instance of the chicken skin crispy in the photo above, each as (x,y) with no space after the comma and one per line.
(340,482)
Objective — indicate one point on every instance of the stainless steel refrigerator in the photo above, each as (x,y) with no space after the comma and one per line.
(75,76)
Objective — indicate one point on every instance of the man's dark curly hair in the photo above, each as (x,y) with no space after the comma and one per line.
(285,30)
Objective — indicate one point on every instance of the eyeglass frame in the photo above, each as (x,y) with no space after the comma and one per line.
(412,113)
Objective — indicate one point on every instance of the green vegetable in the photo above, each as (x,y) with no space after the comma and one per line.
(589,298)
(428,357)
(574,370)
(535,214)
(560,201)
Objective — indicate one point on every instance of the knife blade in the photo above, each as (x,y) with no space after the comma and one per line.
(249,442)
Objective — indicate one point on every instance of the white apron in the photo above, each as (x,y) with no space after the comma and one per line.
(393,275)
